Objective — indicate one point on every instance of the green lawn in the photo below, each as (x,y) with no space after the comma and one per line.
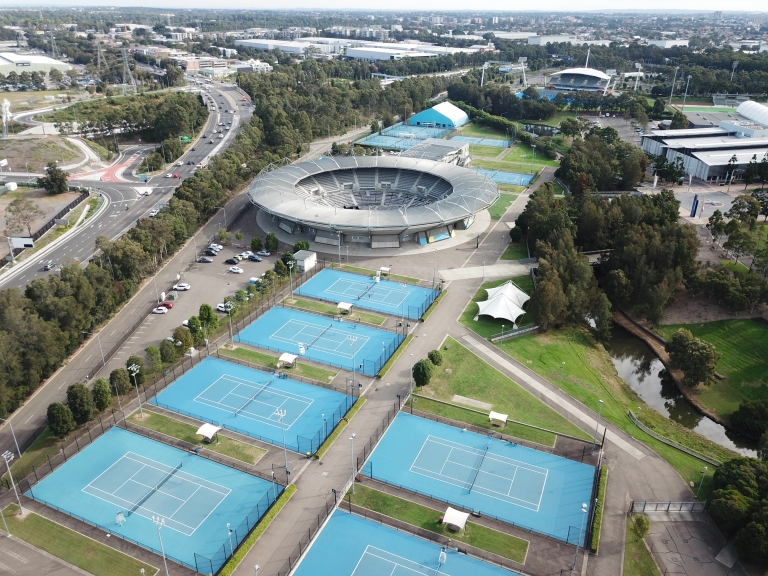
(492,151)
(479,131)
(637,558)
(486,326)
(433,306)
(89,555)
(368,272)
(559,190)
(481,537)
(331,309)
(270,361)
(339,428)
(513,188)
(183,431)
(40,450)
(589,375)
(743,345)
(522,153)
(515,251)
(465,374)
(392,359)
(556,119)
(501,205)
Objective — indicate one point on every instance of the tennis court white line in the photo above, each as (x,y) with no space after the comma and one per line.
(181,473)
(249,415)
(254,384)
(481,451)
(362,340)
(386,293)
(387,557)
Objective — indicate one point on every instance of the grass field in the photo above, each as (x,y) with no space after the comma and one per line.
(501,205)
(637,558)
(515,251)
(491,151)
(39,451)
(89,555)
(475,535)
(478,131)
(556,119)
(465,374)
(523,154)
(270,361)
(394,277)
(512,188)
(331,309)
(743,345)
(486,326)
(34,154)
(726,109)
(589,375)
(183,431)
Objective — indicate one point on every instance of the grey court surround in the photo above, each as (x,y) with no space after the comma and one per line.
(372,195)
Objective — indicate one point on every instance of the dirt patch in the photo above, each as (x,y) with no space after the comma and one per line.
(686,309)
(33,154)
(51,205)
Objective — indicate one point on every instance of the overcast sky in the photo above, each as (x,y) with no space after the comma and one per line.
(432,5)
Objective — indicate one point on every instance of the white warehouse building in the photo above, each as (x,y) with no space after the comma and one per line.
(15,62)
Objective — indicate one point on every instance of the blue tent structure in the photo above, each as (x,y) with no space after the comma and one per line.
(443,115)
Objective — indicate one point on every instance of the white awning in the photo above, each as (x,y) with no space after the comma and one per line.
(455,518)
(384,270)
(501,306)
(498,416)
(510,290)
(344,306)
(207,430)
(287,358)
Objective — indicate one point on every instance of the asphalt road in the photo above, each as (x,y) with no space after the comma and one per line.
(120,186)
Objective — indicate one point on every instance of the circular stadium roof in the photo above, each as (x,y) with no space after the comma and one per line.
(584,72)
(757,113)
(373,194)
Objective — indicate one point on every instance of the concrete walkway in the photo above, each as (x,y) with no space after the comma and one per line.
(504,269)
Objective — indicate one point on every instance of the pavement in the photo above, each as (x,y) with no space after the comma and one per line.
(18,557)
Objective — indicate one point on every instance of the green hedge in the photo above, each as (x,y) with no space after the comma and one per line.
(248,543)
(432,306)
(395,356)
(339,427)
(597,521)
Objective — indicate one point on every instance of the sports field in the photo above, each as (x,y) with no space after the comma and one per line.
(251,402)
(353,546)
(333,342)
(518,485)
(122,481)
(364,292)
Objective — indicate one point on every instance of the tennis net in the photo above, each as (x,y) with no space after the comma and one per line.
(366,290)
(477,472)
(252,398)
(154,489)
(316,338)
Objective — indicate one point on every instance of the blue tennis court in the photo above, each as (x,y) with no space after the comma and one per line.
(506,177)
(402,136)
(395,298)
(250,402)
(483,141)
(371,549)
(333,342)
(122,480)
(519,485)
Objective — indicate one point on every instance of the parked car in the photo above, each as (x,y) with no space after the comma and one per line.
(205,260)
(154,212)
(235,270)
(231,261)
(166,304)
(222,307)
(245,254)
(216,246)
(254,258)
(160,310)
(182,287)
(211,252)
(264,253)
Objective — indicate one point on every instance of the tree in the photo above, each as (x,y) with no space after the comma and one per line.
(102,396)
(56,76)
(55,179)
(208,318)
(20,214)
(223,235)
(120,381)
(751,172)
(167,351)
(155,361)
(271,242)
(435,357)
(281,269)
(762,447)
(642,525)
(182,339)
(695,357)
(256,244)
(60,420)
(196,328)
(679,121)
(137,376)
(374,127)
(287,258)
(422,372)
(300,245)
(751,418)
(745,209)
(716,225)
(658,109)
(762,198)
(80,401)
(570,127)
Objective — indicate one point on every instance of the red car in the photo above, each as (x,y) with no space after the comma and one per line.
(177,175)
(168,305)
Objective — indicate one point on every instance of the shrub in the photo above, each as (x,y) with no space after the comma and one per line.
(300,245)
(271,241)
(751,419)
(120,381)
(422,372)
(167,352)
(155,361)
(184,335)
(281,269)
(642,525)
(80,403)
(597,520)
(435,357)
(223,235)
(102,396)
(256,244)
(516,234)
(60,420)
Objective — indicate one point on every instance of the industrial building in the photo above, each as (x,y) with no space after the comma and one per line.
(16,62)
(668,43)
(437,150)
(443,115)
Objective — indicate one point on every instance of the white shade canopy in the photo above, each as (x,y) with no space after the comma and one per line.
(287,358)
(208,431)
(455,518)
(501,306)
(344,306)
(498,416)
(511,291)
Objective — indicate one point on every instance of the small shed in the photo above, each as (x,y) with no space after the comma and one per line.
(455,520)
(305,260)
(498,419)
(208,432)
(384,271)
(287,360)
(344,307)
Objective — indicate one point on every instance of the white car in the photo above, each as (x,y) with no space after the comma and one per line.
(154,212)
(245,254)
(168,176)
(221,307)
(180,163)
(216,246)
(264,253)
(182,287)
(160,310)
(235,270)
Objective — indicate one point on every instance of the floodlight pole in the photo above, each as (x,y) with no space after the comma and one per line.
(338,237)
(290,276)
(583,514)
(7,531)
(673,85)
(134,369)
(352,340)
(352,446)
(280,415)
(533,156)
(229,535)
(13,434)
(410,384)
(160,522)
(703,473)
(402,303)
(594,438)
(8,456)
(686,93)
(274,486)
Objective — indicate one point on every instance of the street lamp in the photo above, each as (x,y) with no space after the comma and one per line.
(229,535)
(98,337)
(280,415)
(533,156)
(673,85)
(14,435)
(352,447)
(134,369)
(594,438)
(225,214)
(290,277)
(8,456)
(402,302)
(583,514)
(686,92)
(410,384)
(325,424)
(703,473)
(160,522)
(274,486)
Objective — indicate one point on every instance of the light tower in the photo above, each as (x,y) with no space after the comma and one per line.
(6,107)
